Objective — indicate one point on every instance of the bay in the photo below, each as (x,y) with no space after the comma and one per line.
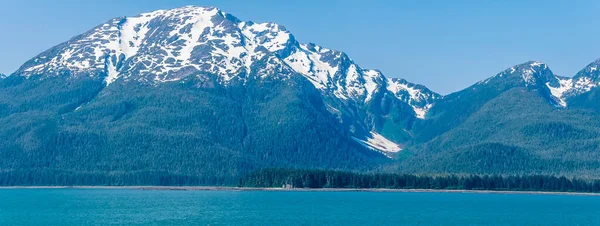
(172,207)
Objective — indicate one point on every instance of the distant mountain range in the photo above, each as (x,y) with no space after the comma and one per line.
(194,91)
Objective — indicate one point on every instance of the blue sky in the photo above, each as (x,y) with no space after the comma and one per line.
(445,45)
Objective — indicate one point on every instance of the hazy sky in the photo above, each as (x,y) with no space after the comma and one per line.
(445,45)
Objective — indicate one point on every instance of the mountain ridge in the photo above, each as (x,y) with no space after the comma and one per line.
(125,48)
(201,92)
(112,48)
(124,37)
(169,45)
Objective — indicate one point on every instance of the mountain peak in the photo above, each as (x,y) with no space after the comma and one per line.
(169,45)
(534,75)
(183,11)
(163,45)
(534,70)
(538,75)
(419,97)
(586,79)
(530,73)
(591,71)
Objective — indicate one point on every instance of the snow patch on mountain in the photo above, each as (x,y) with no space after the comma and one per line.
(586,79)
(559,92)
(269,35)
(354,86)
(372,78)
(421,112)
(307,59)
(420,99)
(133,33)
(584,84)
(527,72)
(191,39)
(334,72)
(112,73)
(377,142)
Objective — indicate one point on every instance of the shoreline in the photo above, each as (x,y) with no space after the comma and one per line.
(219,188)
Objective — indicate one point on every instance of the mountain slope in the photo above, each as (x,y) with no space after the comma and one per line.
(170,45)
(453,109)
(584,92)
(512,123)
(185,129)
(198,96)
(188,92)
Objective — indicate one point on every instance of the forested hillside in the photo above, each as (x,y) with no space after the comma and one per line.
(194,95)
(180,128)
(285,178)
(502,126)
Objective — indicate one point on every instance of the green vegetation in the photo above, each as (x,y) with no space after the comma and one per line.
(70,127)
(514,132)
(75,130)
(45,177)
(338,179)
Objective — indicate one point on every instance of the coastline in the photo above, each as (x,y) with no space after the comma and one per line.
(223,188)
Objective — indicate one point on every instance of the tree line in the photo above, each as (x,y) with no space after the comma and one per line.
(298,178)
(305,178)
(142,178)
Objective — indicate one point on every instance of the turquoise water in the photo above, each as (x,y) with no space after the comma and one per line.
(154,207)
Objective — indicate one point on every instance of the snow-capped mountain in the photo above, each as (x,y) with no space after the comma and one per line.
(165,45)
(536,74)
(419,97)
(529,73)
(196,91)
(168,45)
(584,81)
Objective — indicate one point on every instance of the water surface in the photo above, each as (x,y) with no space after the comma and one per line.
(161,207)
